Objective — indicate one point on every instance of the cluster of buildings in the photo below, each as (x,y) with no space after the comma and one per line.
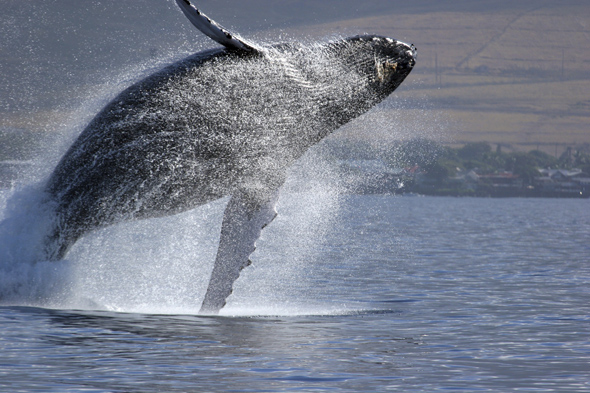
(550,183)
(375,177)
(564,182)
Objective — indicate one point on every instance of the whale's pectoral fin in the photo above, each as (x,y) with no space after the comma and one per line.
(243,220)
(213,30)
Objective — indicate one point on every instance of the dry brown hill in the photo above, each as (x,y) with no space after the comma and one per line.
(520,77)
(514,72)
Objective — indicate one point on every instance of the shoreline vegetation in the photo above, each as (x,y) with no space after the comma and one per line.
(424,167)
(414,167)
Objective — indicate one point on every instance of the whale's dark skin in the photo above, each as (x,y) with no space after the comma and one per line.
(223,122)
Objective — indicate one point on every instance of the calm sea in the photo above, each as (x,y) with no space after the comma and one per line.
(345,294)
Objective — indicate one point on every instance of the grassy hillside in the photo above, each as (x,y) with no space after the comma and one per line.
(520,77)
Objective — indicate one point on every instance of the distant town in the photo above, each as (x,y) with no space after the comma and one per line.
(426,168)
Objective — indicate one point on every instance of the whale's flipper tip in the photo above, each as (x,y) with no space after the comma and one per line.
(214,30)
(243,222)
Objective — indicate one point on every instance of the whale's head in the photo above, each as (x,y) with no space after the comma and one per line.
(384,62)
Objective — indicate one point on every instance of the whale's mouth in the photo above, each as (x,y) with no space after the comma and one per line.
(413,55)
(414,52)
(408,59)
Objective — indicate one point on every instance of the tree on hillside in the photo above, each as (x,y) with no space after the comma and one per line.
(474,150)
(542,159)
(582,161)
(523,165)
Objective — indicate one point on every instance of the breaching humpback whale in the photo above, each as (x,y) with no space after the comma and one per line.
(223,122)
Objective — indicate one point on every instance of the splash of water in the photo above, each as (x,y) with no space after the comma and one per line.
(155,265)
(162,265)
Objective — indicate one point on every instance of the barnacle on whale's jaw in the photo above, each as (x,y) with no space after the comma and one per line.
(385,70)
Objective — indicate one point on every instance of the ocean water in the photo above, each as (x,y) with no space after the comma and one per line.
(346,293)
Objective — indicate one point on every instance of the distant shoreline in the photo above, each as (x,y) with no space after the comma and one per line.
(502,193)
